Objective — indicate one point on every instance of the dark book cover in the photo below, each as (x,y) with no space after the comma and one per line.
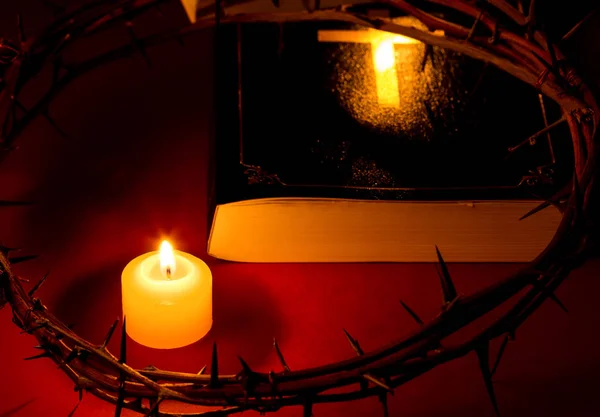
(300,115)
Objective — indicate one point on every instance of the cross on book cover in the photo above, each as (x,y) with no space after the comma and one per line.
(331,110)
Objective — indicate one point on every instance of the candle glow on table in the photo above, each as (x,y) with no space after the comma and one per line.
(167,298)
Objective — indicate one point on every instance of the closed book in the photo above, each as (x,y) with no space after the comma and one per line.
(335,143)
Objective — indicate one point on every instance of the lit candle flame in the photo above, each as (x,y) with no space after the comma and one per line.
(167,259)
(384,55)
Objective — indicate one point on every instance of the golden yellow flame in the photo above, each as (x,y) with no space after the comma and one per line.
(384,55)
(167,259)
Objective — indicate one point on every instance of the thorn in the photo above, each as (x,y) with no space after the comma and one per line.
(72,355)
(531,139)
(123,350)
(122,360)
(111,330)
(5,250)
(19,259)
(120,399)
(307,409)
(474,27)
(76,406)
(354,343)
(38,356)
(428,53)
(550,294)
(286,368)
(378,382)
(384,404)
(52,123)
(76,352)
(536,209)
(245,367)
(38,285)
(412,313)
(21,27)
(500,353)
(202,370)
(364,384)
(574,29)
(483,354)
(447,285)
(137,43)
(154,407)
(214,368)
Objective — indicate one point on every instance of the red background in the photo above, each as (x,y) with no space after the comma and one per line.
(134,171)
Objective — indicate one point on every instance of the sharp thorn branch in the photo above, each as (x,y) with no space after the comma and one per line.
(37,286)
(5,250)
(109,335)
(550,294)
(448,289)
(38,356)
(354,343)
(307,410)
(19,259)
(138,44)
(154,408)
(120,399)
(474,27)
(123,350)
(482,352)
(427,54)
(377,381)
(53,123)
(122,360)
(245,367)
(412,313)
(214,368)
(500,353)
(575,28)
(285,366)
(384,404)
(536,209)
(531,139)
(202,370)
(72,355)
(76,407)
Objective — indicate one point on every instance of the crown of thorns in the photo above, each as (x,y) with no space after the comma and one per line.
(501,32)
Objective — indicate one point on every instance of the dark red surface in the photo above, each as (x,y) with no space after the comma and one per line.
(134,171)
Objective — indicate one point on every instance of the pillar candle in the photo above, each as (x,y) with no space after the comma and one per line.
(167,298)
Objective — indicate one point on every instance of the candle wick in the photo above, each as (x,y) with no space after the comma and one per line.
(168,271)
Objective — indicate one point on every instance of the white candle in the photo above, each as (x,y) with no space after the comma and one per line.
(167,298)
